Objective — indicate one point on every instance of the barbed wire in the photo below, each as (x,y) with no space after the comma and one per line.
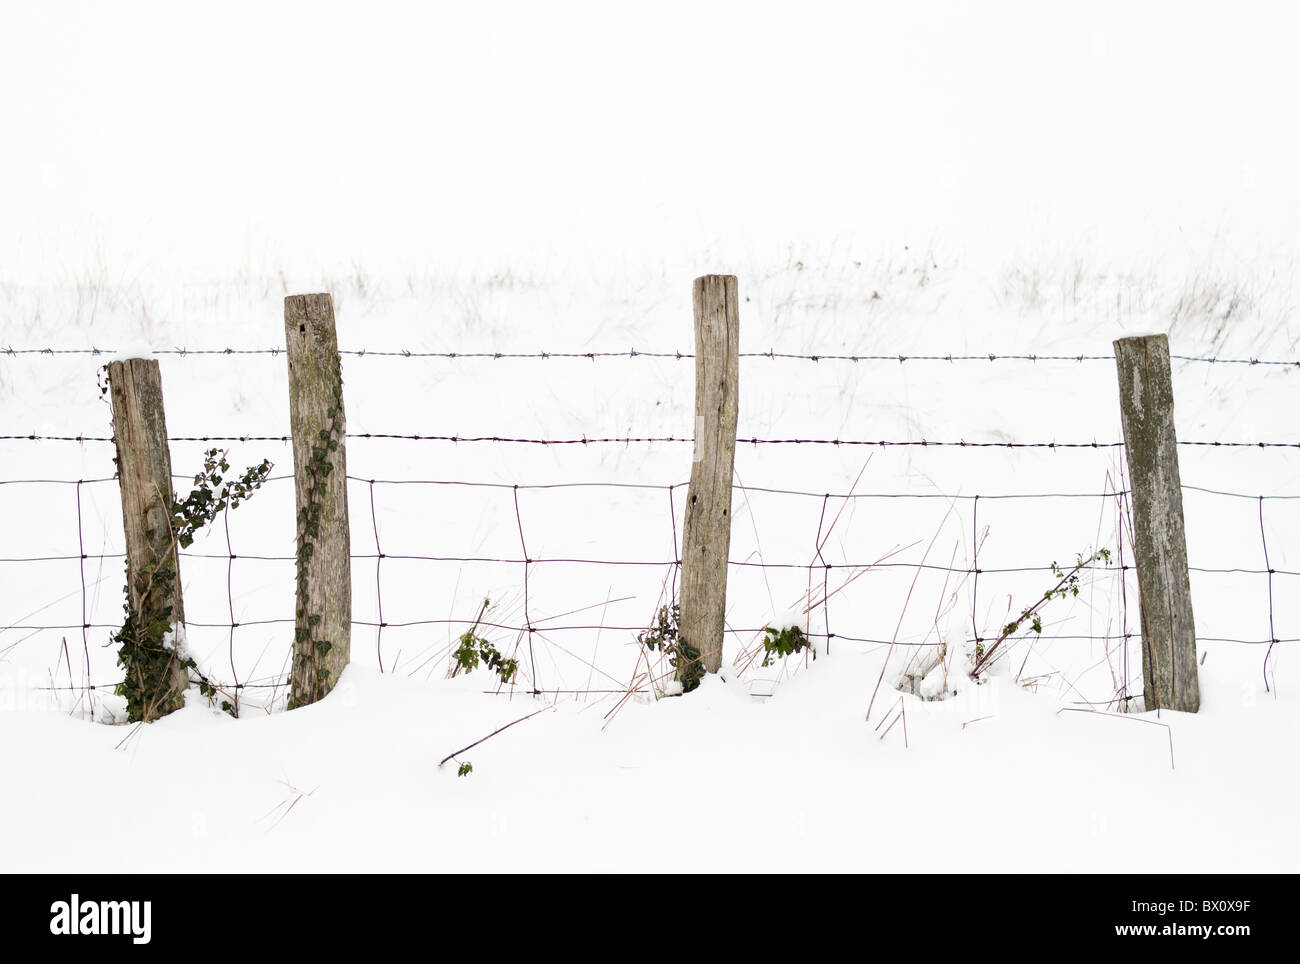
(664,439)
(771,354)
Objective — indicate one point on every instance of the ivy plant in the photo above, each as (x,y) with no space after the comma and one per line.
(149,645)
(319,466)
(665,636)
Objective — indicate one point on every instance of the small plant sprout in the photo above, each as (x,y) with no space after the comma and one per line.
(465,769)
(473,649)
(779,643)
(1067,585)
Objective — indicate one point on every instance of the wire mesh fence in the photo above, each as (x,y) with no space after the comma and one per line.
(388,575)
(378,570)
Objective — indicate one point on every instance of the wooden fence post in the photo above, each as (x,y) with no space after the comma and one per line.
(323,611)
(1146,397)
(156,675)
(706,541)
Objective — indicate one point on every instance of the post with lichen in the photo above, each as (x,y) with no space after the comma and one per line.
(706,540)
(1146,395)
(152,638)
(323,609)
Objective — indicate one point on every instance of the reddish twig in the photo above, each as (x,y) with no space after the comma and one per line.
(450,756)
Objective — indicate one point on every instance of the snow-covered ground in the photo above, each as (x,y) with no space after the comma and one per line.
(948,180)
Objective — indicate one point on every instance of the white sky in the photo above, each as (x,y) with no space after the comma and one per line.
(141,138)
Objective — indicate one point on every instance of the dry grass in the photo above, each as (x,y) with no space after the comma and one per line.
(1208,302)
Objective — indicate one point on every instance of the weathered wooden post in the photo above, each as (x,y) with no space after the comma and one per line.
(153,637)
(1146,397)
(706,541)
(323,611)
